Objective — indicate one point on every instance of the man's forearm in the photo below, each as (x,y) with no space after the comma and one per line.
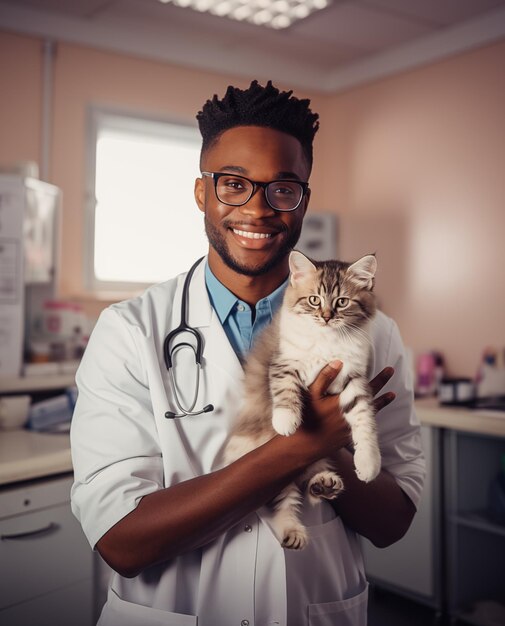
(380,510)
(189,515)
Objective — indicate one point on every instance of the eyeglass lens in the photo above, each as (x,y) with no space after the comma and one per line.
(281,195)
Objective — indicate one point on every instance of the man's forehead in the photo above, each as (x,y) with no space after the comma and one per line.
(244,147)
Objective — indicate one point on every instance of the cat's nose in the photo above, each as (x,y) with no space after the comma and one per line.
(326,317)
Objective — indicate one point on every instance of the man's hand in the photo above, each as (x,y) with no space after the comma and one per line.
(323,416)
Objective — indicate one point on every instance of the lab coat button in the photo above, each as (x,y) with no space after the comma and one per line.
(244,622)
(247,528)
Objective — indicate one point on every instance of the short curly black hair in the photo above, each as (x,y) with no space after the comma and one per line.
(259,106)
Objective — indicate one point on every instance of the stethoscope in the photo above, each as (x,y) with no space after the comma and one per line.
(169,352)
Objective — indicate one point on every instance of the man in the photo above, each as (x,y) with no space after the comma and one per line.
(188,538)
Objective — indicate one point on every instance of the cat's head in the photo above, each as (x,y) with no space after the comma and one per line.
(332,293)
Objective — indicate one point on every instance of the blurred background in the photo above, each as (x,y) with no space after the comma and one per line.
(98,155)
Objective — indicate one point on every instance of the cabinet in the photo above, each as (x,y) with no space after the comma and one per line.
(29,212)
(413,565)
(46,565)
(453,556)
(475,543)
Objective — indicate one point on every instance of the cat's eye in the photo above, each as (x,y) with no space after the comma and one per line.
(342,302)
(314,300)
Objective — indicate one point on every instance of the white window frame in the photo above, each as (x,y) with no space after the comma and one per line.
(116,119)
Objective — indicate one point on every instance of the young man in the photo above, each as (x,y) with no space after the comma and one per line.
(188,538)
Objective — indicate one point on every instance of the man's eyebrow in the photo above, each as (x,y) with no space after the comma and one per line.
(287,175)
(233,168)
(244,172)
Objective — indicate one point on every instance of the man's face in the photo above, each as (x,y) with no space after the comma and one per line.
(237,233)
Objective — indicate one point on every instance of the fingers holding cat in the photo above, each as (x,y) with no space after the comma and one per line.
(377,383)
(325,377)
(322,415)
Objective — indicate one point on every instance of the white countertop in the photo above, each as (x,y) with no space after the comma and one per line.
(481,422)
(25,455)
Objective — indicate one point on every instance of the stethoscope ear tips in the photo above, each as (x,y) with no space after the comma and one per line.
(208,408)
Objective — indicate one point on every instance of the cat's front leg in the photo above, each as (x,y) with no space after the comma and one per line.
(286,390)
(358,410)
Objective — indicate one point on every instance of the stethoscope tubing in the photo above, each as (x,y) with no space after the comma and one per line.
(169,350)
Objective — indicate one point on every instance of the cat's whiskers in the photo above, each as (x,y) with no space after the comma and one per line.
(360,332)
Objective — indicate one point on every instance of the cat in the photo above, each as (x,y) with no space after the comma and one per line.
(325,315)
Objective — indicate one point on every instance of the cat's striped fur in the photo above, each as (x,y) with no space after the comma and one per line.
(325,316)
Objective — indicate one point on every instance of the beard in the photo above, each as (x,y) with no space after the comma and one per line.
(218,242)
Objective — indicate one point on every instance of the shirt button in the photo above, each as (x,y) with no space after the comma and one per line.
(247,528)
(244,622)
(241,307)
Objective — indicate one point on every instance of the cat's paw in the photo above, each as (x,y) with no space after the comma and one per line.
(295,538)
(325,485)
(367,464)
(285,421)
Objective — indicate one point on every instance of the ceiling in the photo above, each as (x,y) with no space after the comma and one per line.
(348,43)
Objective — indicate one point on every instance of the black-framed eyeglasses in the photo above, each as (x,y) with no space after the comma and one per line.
(281,195)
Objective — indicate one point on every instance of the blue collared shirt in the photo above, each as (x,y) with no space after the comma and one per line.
(236,316)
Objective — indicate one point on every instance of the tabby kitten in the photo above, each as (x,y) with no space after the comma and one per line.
(324,316)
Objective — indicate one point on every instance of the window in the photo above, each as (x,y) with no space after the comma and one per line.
(143,224)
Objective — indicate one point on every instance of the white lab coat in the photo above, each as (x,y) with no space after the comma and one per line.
(124,448)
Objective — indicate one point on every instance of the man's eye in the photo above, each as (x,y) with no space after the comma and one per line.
(283,191)
(314,301)
(233,184)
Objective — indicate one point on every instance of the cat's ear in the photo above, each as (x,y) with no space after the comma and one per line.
(300,267)
(363,271)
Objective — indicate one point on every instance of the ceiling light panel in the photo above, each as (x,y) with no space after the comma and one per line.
(276,14)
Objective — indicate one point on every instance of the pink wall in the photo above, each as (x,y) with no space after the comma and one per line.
(412,164)
(20,100)
(417,166)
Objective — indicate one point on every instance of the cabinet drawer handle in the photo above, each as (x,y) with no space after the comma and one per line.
(50,528)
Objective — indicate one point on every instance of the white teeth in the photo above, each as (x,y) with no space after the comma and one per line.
(247,235)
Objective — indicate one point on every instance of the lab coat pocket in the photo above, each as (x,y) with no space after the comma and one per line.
(118,612)
(350,612)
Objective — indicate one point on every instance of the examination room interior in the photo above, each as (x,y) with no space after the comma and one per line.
(409,163)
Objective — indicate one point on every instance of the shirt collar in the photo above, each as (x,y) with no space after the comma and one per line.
(223,300)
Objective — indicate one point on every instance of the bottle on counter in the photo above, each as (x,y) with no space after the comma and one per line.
(439,371)
(425,370)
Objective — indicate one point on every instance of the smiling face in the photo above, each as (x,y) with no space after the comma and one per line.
(252,239)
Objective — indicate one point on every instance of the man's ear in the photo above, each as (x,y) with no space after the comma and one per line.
(200,193)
